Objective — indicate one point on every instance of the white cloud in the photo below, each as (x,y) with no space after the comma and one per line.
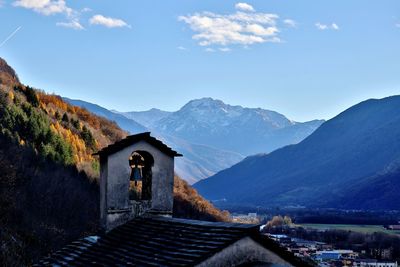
(46,7)
(208,49)
(181,48)
(397,25)
(225,49)
(244,7)
(334,26)
(290,23)
(321,26)
(239,28)
(73,24)
(52,7)
(324,27)
(260,30)
(262,18)
(108,22)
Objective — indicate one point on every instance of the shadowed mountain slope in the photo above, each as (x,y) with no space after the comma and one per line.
(345,151)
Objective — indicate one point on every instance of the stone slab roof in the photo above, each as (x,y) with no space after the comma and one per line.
(159,241)
(132,139)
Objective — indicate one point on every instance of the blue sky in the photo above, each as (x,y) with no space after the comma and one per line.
(305,59)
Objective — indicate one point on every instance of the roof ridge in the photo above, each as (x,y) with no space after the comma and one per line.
(198,223)
(132,139)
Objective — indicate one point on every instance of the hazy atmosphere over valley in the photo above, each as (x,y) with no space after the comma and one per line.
(199,133)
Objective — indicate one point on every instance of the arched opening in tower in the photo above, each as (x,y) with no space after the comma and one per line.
(140,163)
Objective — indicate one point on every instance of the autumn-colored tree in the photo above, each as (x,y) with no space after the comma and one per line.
(278,221)
(287,220)
(189,204)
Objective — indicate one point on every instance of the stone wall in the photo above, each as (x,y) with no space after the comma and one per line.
(115,206)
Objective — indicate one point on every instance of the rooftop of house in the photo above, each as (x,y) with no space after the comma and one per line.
(131,139)
(160,241)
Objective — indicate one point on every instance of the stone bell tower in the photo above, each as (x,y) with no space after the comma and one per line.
(151,192)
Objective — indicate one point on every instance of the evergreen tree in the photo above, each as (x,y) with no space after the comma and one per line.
(65,118)
(57,115)
(88,138)
(75,123)
(31,96)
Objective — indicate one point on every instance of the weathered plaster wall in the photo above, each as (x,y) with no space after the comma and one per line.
(115,180)
(243,251)
(103,190)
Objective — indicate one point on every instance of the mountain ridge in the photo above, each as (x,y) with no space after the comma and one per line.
(125,123)
(212,122)
(194,165)
(201,118)
(147,118)
(358,143)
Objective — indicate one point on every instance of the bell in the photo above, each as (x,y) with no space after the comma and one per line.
(136,162)
(136,174)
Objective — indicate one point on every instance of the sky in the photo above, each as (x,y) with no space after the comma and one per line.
(305,59)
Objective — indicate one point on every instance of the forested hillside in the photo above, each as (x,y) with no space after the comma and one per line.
(49,179)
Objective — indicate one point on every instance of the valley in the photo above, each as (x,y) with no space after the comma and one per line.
(349,162)
(210,133)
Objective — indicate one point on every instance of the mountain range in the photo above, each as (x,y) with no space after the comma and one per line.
(199,161)
(212,135)
(147,118)
(234,128)
(350,161)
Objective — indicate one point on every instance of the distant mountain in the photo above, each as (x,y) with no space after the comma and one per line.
(123,122)
(211,134)
(199,161)
(344,163)
(147,118)
(234,128)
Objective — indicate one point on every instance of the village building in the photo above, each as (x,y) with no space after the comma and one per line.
(374,263)
(136,203)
